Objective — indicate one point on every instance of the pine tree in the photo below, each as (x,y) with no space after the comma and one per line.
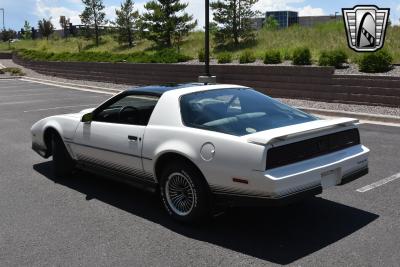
(126,21)
(27,31)
(93,16)
(233,18)
(166,23)
(46,28)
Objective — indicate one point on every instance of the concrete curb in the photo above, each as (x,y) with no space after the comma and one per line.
(356,115)
(11,77)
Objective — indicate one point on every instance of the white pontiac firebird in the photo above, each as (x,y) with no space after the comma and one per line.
(205,145)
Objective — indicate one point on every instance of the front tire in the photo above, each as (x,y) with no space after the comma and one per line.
(63,164)
(184,193)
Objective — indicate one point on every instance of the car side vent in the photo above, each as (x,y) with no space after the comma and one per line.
(311,148)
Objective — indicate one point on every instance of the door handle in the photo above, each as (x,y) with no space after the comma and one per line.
(132,138)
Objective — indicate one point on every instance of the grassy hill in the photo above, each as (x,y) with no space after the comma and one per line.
(326,36)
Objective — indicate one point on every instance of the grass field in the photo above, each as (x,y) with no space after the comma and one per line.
(326,36)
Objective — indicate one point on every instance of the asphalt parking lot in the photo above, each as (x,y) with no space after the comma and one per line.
(88,221)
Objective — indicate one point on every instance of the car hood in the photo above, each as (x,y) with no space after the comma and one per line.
(80,113)
(85,111)
(283,133)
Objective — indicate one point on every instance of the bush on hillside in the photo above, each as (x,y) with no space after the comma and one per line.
(161,56)
(335,58)
(272,57)
(287,55)
(302,56)
(224,58)
(376,62)
(247,57)
(201,55)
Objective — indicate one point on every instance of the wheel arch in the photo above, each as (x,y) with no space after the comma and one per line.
(47,134)
(171,156)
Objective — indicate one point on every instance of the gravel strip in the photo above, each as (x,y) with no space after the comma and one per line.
(373,110)
(34,74)
(353,70)
(258,62)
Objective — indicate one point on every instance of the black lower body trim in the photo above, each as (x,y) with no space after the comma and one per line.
(247,201)
(137,182)
(40,150)
(354,175)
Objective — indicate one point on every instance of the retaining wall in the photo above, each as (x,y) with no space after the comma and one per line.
(315,83)
(5,55)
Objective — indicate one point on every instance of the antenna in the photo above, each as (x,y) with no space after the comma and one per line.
(207,78)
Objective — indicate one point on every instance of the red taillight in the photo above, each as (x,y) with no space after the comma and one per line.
(239,180)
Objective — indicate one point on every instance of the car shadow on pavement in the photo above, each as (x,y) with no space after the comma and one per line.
(279,235)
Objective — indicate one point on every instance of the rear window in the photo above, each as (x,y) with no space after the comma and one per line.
(237,111)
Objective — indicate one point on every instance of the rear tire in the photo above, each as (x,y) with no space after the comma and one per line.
(184,193)
(63,164)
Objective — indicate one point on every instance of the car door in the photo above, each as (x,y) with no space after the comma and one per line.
(113,139)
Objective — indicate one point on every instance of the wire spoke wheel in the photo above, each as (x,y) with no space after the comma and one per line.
(180,194)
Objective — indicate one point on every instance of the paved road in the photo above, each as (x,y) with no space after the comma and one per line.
(92,222)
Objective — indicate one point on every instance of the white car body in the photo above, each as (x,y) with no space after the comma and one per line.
(233,166)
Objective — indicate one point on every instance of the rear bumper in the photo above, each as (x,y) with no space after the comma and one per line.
(292,182)
(329,170)
(249,201)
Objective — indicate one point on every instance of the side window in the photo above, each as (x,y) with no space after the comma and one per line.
(131,109)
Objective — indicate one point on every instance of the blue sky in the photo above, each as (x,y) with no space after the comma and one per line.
(33,10)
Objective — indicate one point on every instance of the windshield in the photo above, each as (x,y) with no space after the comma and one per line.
(238,111)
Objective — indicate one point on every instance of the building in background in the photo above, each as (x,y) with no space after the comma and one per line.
(288,18)
(309,21)
(284,18)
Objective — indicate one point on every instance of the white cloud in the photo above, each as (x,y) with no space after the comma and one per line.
(197,9)
(310,11)
(273,5)
(110,12)
(45,10)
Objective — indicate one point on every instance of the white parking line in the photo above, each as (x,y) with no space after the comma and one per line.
(70,87)
(362,121)
(72,84)
(63,107)
(2,66)
(41,100)
(379,183)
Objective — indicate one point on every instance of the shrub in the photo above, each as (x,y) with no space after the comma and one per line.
(224,57)
(201,55)
(376,62)
(13,71)
(247,57)
(335,58)
(302,56)
(161,56)
(287,55)
(272,57)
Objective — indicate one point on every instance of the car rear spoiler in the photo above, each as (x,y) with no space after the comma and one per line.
(284,133)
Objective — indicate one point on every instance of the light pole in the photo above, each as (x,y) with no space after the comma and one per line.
(207,38)
(4,27)
(207,78)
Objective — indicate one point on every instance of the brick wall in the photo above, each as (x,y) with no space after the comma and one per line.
(315,83)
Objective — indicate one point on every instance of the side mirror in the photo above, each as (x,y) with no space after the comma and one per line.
(87,118)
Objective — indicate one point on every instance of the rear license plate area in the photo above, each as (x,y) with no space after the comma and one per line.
(330,178)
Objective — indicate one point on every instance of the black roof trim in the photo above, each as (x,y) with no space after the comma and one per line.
(160,89)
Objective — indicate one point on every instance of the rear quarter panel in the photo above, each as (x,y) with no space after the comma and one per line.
(233,156)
